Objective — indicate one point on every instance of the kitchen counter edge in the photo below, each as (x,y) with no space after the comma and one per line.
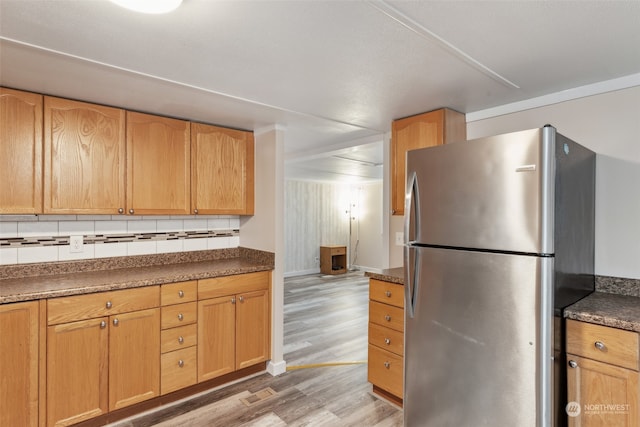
(606,309)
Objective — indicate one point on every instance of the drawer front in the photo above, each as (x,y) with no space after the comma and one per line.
(338,251)
(602,343)
(89,306)
(386,292)
(179,370)
(179,315)
(177,338)
(230,285)
(177,293)
(386,315)
(386,370)
(386,338)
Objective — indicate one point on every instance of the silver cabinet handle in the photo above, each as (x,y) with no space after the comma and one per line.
(131,211)
(387,365)
(233,300)
(195,211)
(388,294)
(103,324)
(600,345)
(115,322)
(181,294)
(181,363)
(108,304)
(387,318)
(387,341)
(573,364)
(120,210)
(180,316)
(180,340)
(241,299)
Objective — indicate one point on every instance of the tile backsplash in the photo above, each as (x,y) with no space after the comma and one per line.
(45,238)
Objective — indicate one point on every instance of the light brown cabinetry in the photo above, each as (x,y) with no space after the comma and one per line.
(333,259)
(423,130)
(179,336)
(386,338)
(603,376)
(234,323)
(222,170)
(84,158)
(20,152)
(158,165)
(102,353)
(19,339)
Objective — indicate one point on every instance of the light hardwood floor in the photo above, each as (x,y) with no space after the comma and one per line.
(325,322)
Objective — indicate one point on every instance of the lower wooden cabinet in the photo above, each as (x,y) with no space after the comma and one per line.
(602,376)
(234,328)
(386,338)
(19,338)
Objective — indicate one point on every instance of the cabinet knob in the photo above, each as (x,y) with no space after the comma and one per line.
(181,294)
(233,300)
(181,340)
(600,345)
(241,299)
(108,304)
(120,211)
(388,294)
(573,364)
(115,322)
(387,341)
(180,316)
(195,211)
(131,211)
(393,211)
(387,365)
(387,318)
(181,363)
(103,324)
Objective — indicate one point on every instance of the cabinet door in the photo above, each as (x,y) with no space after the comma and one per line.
(216,337)
(134,357)
(19,364)
(158,165)
(608,395)
(221,170)
(253,328)
(84,151)
(20,152)
(419,131)
(77,371)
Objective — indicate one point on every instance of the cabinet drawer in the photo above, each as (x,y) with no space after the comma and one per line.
(386,315)
(230,285)
(179,370)
(179,315)
(177,338)
(386,338)
(177,293)
(386,370)
(609,345)
(342,250)
(80,307)
(386,292)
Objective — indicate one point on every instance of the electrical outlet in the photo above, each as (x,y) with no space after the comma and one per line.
(75,244)
(399,238)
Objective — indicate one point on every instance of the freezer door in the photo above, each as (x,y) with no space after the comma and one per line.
(478,349)
(494,193)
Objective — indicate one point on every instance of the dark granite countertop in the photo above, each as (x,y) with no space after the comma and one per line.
(48,280)
(393,275)
(614,310)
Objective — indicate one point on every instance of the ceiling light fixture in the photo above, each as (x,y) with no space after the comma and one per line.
(149,6)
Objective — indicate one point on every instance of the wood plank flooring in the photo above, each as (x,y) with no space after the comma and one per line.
(325,322)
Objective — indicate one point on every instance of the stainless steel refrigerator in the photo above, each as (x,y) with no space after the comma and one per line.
(499,238)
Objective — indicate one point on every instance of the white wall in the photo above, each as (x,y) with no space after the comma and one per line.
(608,124)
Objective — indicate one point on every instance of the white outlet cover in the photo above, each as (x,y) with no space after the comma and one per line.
(75,244)
(399,238)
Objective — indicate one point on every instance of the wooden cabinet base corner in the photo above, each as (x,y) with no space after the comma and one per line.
(387,396)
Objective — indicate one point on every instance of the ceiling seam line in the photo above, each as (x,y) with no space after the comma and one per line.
(412,25)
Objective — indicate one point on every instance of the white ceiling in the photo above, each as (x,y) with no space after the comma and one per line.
(334,74)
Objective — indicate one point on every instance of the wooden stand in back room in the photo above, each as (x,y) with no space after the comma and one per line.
(333,259)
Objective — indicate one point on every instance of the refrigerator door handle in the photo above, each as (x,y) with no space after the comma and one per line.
(411,264)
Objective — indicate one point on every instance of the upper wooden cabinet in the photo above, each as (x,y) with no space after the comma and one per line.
(222,164)
(158,165)
(20,152)
(84,151)
(423,130)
